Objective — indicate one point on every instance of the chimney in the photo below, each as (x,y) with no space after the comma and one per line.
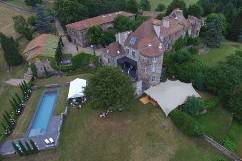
(121,37)
(166,23)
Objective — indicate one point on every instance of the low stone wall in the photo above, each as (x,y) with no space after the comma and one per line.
(221,148)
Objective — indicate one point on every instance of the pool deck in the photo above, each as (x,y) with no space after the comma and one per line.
(53,131)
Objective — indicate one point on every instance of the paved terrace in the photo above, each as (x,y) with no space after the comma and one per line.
(53,131)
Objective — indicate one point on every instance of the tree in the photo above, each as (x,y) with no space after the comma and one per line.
(195,10)
(176,4)
(236,28)
(110,89)
(193,106)
(22,27)
(32,3)
(10,49)
(69,11)
(145,5)
(186,123)
(122,23)
(58,52)
(94,35)
(132,6)
(108,37)
(31,20)
(160,7)
(43,21)
(214,29)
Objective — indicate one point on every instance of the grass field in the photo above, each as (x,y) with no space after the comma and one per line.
(136,135)
(6,22)
(215,55)
(154,3)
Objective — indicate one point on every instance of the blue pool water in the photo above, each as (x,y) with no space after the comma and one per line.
(43,114)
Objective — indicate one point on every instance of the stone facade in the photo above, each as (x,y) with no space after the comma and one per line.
(78,31)
(144,48)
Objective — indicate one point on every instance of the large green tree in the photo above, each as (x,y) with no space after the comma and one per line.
(43,20)
(195,10)
(10,49)
(160,7)
(69,11)
(110,89)
(94,35)
(145,5)
(214,29)
(132,6)
(176,4)
(22,27)
(235,104)
(235,33)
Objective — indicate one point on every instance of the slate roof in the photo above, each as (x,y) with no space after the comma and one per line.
(115,49)
(145,40)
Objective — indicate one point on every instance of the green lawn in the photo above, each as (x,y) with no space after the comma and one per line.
(136,135)
(154,3)
(211,56)
(24,119)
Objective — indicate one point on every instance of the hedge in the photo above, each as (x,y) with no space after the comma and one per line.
(83,60)
(186,123)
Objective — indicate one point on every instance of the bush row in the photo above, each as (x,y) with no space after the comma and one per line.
(186,123)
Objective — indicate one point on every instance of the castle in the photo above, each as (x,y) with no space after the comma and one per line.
(140,53)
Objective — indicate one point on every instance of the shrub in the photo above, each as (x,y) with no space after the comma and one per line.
(186,123)
(229,143)
(193,106)
(193,51)
(182,56)
(192,40)
(33,69)
(83,60)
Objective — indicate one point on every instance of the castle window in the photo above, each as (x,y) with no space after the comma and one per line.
(153,78)
(153,68)
(133,54)
(154,59)
(127,51)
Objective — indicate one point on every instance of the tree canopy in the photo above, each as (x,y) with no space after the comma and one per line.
(145,5)
(110,89)
(22,27)
(214,29)
(132,6)
(195,10)
(43,21)
(69,11)
(10,49)
(176,4)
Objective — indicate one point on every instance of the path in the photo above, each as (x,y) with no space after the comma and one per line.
(69,48)
(17,8)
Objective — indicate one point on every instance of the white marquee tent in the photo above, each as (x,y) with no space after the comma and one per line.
(76,88)
(171,94)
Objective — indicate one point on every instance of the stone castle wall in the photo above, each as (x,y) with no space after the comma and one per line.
(149,70)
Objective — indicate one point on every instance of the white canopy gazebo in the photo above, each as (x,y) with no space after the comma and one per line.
(76,88)
(171,94)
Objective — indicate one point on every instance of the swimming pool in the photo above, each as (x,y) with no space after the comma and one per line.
(42,116)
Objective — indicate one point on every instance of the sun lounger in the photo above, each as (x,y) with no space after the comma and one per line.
(51,140)
(47,141)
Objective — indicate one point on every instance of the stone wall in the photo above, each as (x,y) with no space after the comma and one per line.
(149,70)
